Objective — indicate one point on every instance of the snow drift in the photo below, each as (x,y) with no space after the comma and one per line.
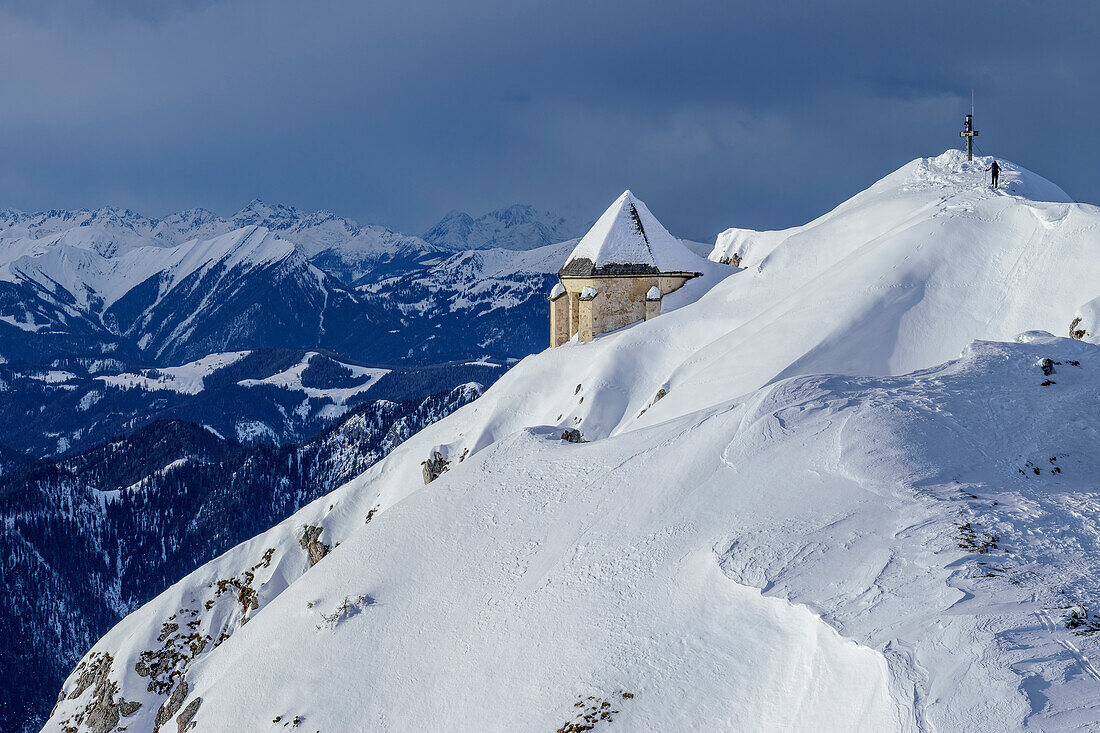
(738,543)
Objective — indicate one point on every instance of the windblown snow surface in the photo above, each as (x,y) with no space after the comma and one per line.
(764,529)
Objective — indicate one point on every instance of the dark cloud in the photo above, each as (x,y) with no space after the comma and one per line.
(68,12)
(718,114)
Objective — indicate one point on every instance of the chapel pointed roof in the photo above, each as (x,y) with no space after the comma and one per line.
(628,240)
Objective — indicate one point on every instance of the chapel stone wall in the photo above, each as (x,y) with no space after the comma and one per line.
(619,302)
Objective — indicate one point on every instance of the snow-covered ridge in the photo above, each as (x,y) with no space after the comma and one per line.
(94,258)
(940,521)
(949,175)
(70,263)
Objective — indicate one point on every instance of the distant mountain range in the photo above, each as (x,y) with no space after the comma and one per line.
(161,292)
(514,227)
(493,300)
(338,245)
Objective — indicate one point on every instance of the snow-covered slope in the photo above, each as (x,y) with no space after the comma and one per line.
(906,273)
(184,379)
(738,545)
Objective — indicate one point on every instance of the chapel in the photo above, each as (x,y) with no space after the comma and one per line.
(618,274)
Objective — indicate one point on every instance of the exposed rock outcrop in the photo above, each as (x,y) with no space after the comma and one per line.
(311,543)
(434,466)
(185,719)
(102,713)
(171,706)
(1075,332)
(93,672)
(572,436)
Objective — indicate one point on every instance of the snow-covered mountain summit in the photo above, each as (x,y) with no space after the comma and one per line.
(850,487)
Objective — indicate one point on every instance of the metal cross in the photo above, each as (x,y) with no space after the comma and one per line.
(969,133)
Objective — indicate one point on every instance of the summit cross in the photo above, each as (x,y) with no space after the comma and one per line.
(969,133)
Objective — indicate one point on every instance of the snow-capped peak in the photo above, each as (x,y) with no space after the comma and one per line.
(948,181)
(277,216)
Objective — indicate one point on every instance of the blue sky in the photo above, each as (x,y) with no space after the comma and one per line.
(716,113)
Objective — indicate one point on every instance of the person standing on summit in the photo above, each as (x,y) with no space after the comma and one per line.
(996,172)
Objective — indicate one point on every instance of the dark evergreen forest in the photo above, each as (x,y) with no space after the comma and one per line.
(90,537)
